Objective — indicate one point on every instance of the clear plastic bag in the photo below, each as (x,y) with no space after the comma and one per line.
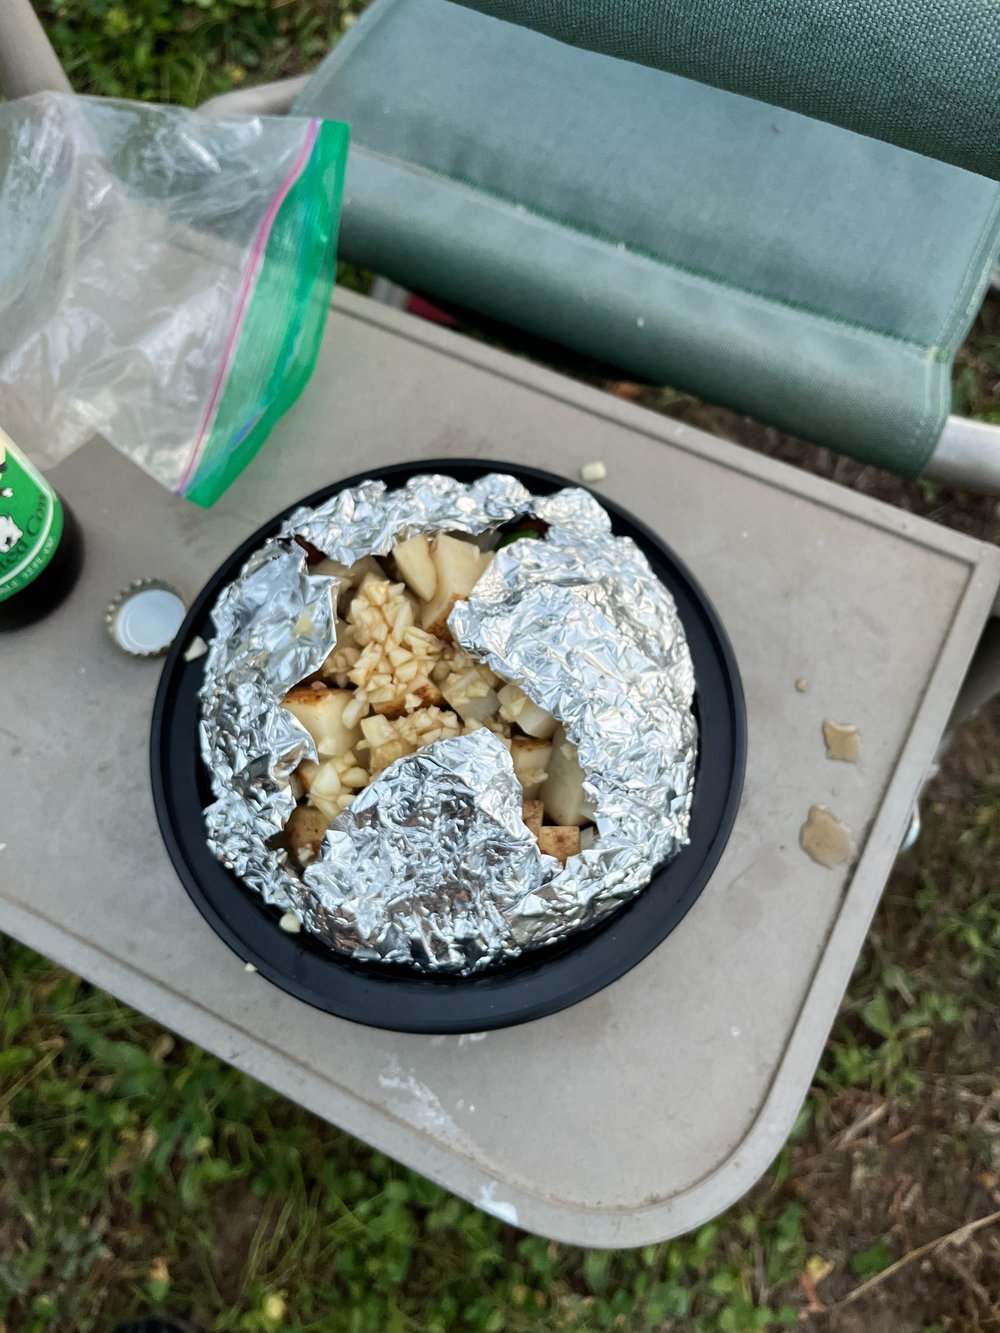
(164,278)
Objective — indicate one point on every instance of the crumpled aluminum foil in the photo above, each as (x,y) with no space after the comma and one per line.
(432,865)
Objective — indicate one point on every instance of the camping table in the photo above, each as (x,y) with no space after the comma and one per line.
(641,1112)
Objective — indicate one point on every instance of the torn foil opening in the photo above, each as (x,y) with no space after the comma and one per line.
(432,865)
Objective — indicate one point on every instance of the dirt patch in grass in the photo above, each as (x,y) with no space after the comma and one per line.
(239,1213)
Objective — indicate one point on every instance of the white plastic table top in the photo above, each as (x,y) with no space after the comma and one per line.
(643,1111)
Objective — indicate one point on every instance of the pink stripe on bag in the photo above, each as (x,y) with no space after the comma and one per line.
(249,281)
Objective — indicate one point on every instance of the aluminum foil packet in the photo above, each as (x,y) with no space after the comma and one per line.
(432,866)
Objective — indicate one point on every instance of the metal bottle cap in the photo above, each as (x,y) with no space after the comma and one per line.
(144,617)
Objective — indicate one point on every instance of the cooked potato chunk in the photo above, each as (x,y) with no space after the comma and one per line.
(560,842)
(562,792)
(416,568)
(530,757)
(305,831)
(459,565)
(532,812)
(321,713)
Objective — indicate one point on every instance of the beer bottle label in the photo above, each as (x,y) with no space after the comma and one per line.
(31,521)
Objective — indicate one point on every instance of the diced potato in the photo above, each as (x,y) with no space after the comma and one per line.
(470,696)
(532,813)
(416,568)
(530,757)
(559,841)
(305,829)
(459,565)
(321,713)
(562,792)
(515,706)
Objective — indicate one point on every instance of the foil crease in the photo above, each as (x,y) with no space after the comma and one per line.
(432,866)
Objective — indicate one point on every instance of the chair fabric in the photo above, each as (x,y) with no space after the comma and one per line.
(808,276)
(922,76)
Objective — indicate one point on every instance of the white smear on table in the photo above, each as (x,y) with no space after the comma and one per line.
(419,1103)
(489,1203)
(463,1039)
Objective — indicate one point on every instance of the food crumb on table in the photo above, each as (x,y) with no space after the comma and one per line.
(595,471)
(249,967)
(842,740)
(825,838)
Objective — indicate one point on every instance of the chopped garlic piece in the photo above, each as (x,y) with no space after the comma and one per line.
(515,706)
(389,739)
(195,649)
(595,471)
(290,923)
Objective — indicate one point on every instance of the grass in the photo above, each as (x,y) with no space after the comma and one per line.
(137,1172)
(166,51)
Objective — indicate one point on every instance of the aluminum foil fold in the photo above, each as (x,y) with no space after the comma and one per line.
(432,865)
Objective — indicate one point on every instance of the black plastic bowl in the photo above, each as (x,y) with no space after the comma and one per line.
(541,982)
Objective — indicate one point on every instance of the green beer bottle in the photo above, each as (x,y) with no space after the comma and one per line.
(41,549)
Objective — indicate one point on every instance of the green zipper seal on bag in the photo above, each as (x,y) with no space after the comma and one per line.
(284,317)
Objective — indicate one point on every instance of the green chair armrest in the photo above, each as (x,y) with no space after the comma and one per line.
(923,76)
(813,278)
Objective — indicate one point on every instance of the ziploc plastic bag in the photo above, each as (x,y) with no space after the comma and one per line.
(164,278)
